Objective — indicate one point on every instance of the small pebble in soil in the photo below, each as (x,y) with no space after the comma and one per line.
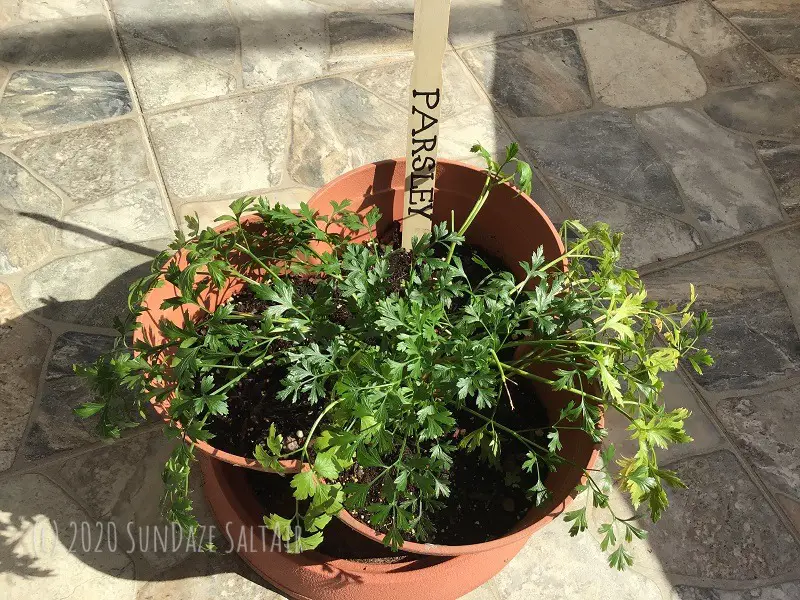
(299,434)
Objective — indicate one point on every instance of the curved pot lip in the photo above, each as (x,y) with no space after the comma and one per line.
(441,161)
(290,466)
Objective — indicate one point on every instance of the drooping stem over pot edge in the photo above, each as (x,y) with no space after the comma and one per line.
(391,379)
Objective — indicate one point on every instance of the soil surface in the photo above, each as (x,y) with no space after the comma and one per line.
(275,496)
(486,501)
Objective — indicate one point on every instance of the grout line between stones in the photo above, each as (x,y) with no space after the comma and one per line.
(153,164)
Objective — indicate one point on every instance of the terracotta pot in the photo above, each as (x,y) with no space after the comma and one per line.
(510,226)
(149,330)
(313,575)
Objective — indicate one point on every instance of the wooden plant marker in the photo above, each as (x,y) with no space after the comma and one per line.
(431,20)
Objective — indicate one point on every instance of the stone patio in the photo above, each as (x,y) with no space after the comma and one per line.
(676,122)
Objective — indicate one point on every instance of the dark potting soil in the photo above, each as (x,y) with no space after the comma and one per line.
(275,496)
(486,501)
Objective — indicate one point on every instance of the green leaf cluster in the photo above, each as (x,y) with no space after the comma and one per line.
(417,350)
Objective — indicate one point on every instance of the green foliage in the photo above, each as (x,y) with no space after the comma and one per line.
(390,381)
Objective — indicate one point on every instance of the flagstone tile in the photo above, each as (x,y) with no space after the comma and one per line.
(121,483)
(648,236)
(55,427)
(392,83)
(783,248)
(24,11)
(676,394)
(721,526)
(281,41)
(781,591)
(603,150)
(132,215)
(533,76)
(718,171)
(361,39)
(200,28)
(547,13)
(782,161)
(478,21)
(207,576)
(338,125)
(23,240)
(792,65)
(754,341)
(39,555)
(164,76)
(771,109)
(83,43)
(228,146)
(554,565)
(772,24)
(377,6)
(23,347)
(35,101)
(89,288)
(764,427)
(611,7)
(726,58)
(458,134)
(89,163)
(630,68)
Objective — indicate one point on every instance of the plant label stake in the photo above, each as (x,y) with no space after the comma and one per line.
(431,19)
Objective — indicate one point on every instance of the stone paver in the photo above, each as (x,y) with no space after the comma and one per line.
(40,558)
(55,427)
(36,100)
(782,161)
(24,240)
(281,41)
(771,109)
(611,7)
(604,151)
(89,163)
(203,29)
(676,394)
(356,127)
(772,24)
(649,236)
(718,171)
(763,426)
(88,289)
(164,76)
(725,57)
(719,527)
(784,591)
(554,565)
(23,348)
(132,215)
(754,340)
(392,83)
(675,121)
(534,76)
(83,43)
(207,577)
(630,68)
(229,147)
